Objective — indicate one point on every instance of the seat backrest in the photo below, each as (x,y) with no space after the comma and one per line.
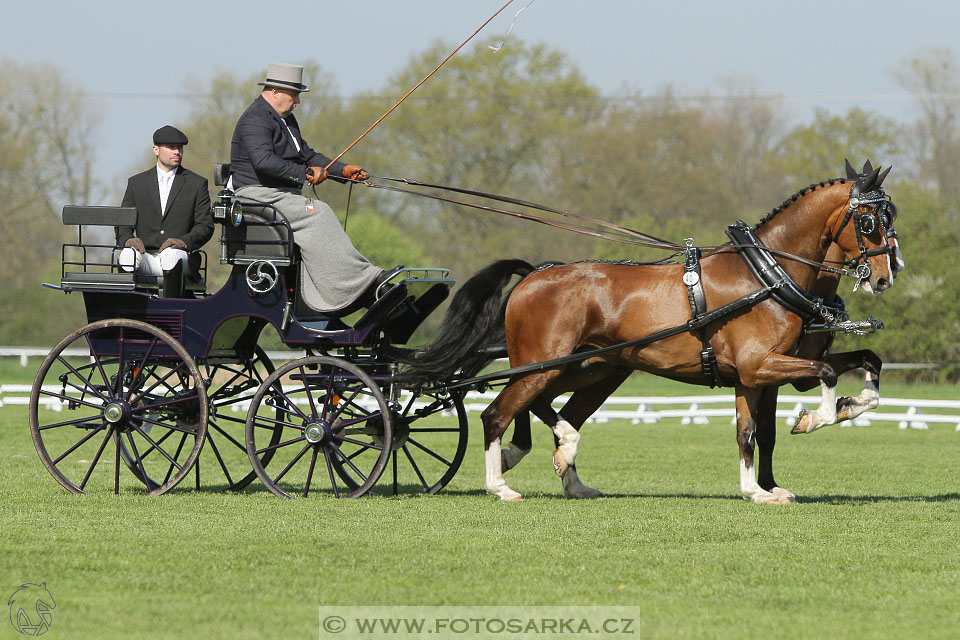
(100,216)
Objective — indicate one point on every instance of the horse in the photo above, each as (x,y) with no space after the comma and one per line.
(754,339)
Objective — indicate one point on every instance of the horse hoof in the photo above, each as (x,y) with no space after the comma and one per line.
(783,494)
(560,464)
(583,493)
(768,498)
(804,423)
(506,494)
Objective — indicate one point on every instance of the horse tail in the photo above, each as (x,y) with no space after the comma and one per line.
(474,319)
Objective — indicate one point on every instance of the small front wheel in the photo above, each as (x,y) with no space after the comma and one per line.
(335,429)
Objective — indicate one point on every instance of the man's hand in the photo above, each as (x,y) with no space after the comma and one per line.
(172,243)
(316,175)
(353,172)
(136,244)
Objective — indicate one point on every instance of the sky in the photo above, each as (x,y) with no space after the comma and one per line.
(139,61)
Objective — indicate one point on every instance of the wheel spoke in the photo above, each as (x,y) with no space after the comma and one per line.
(226,435)
(274,447)
(213,444)
(83,378)
(428,451)
(333,480)
(67,423)
(416,469)
(337,450)
(96,458)
(293,462)
(156,446)
(313,463)
(79,443)
(183,439)
(139,370)
(138,460)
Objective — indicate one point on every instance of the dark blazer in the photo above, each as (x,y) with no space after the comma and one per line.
(187,215)
(263,153)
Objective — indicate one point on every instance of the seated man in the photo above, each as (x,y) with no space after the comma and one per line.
(173,214)
(270,162)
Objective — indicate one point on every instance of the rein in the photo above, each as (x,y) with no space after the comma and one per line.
(621,234)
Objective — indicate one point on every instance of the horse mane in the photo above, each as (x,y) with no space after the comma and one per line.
(799,194)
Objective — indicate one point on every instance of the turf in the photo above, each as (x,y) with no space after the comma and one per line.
(870,549)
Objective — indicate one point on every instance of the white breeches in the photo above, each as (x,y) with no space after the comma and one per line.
(151,264)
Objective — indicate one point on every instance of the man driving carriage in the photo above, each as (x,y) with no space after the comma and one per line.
(270,162)
(173,214)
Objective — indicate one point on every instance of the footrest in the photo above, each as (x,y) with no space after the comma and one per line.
(94,280)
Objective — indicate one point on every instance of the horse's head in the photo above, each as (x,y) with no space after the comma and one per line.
(865,233)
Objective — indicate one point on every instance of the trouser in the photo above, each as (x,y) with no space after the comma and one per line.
(338,273)
(151,263)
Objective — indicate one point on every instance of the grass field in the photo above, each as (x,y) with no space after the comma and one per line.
(870,550)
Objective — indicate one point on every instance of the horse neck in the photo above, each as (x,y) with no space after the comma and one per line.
(803,229)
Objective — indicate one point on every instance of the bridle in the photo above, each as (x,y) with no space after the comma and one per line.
(865,224)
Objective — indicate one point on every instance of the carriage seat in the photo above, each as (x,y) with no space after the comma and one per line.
(93,266)
(262,235)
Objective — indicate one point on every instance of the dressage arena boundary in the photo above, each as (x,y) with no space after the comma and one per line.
(652,409)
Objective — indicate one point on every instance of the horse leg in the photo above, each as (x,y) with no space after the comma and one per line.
(581,405)
(749,417)
(766,439)
(520,443)
(512,399)
(776,369)
(848,408)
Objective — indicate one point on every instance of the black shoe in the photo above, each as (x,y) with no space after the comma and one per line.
(369,296)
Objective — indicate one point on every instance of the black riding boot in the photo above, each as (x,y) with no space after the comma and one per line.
(173,281)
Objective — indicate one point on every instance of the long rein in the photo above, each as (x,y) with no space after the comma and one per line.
(619,233)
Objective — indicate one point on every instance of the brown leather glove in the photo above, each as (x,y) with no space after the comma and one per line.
(353,172)
(174,243)
(316,175)
(137,244)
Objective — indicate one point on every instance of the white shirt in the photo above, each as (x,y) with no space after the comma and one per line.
(165,181)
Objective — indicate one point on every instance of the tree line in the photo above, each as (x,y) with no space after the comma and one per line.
(528,124)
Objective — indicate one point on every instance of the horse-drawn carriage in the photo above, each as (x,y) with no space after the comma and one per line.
(167,377)
(164,374)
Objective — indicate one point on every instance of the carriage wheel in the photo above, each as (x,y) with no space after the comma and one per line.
(334,421)
(138,396)
(429,440)
(230,386)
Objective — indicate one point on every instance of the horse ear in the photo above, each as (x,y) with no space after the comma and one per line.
(882,176)
(867,167)
(870,181)
(851,172)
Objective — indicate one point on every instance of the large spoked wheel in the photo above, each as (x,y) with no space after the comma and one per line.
(138,399)
(335,429)
(429,440)
(231,386)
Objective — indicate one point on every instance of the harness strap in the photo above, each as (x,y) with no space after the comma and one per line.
(698,306)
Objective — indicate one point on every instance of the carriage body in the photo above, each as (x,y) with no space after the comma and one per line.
(165,375)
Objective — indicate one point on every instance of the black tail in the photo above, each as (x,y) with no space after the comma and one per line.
(474,319)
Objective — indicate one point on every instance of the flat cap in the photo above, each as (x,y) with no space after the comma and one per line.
(169,135)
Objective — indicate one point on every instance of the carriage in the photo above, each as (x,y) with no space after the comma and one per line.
(165,375)
(168,378)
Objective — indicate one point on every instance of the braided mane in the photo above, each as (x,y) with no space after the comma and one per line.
(799,194)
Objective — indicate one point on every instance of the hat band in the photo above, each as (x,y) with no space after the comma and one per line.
(293,85)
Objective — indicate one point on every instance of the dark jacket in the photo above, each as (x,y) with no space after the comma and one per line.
(263,153)
(187,215)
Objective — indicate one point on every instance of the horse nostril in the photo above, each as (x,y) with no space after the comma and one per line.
(882,284)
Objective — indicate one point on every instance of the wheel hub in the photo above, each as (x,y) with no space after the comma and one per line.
(117,413)
(318,432)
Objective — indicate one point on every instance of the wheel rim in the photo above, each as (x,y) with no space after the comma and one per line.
(430,439)
(334,421)
(137,401)
(230,386)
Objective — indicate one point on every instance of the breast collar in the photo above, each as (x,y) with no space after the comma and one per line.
(788,293)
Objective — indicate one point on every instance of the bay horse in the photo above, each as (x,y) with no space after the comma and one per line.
(755,346)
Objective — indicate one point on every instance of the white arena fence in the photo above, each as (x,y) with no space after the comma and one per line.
(652,409)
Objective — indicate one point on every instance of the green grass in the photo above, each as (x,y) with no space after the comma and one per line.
(869,551)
